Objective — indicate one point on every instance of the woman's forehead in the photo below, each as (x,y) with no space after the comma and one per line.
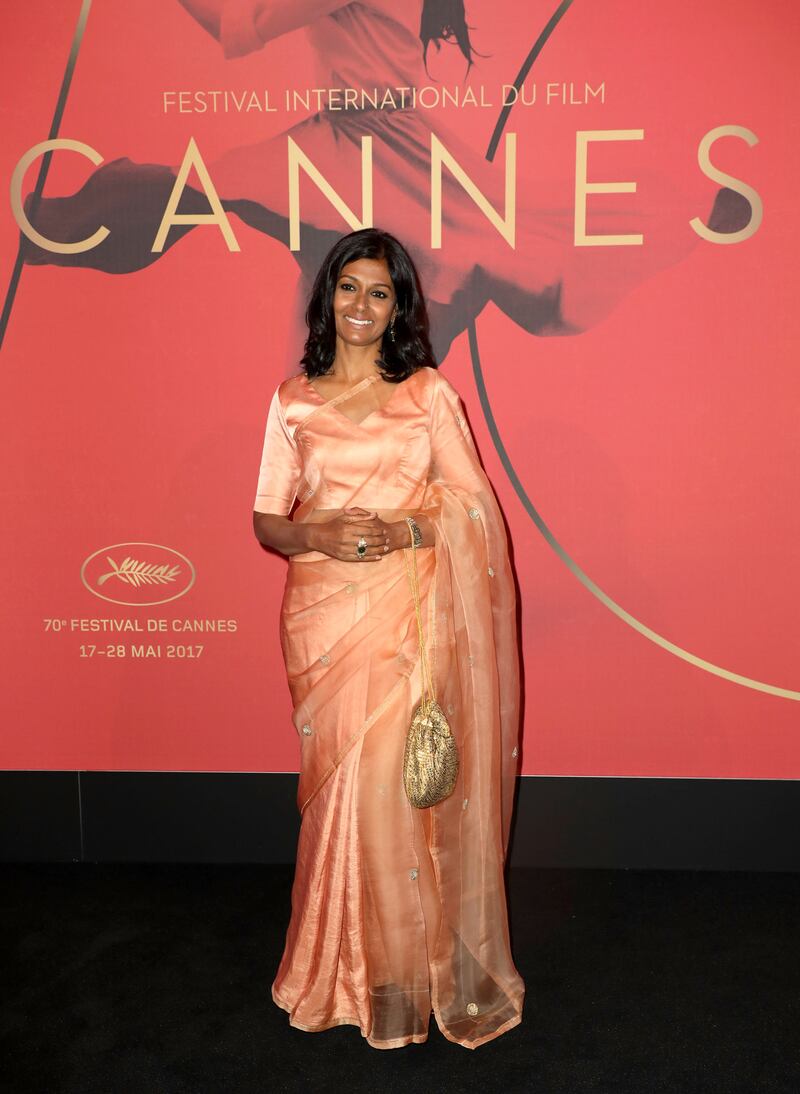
(369,270)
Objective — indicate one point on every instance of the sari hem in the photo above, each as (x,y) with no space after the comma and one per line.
(397,1042)
(516,1020)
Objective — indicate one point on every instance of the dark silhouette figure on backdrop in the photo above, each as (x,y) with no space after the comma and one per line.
(544,283)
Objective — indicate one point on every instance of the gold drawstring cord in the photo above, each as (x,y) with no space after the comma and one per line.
(427,679)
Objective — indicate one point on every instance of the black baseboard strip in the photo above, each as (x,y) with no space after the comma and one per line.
(560,821)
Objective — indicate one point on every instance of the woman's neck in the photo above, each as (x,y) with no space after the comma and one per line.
(353,363)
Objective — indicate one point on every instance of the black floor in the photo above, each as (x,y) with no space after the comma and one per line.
(123,979)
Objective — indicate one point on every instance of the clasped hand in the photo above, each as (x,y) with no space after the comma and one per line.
(339,537)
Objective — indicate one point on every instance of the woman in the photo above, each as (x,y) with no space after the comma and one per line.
(396,912)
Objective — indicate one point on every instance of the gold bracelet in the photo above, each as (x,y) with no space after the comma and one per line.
(415,531)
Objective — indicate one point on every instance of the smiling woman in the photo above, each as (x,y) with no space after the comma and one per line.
(397,911)
(364,303)
(366,287)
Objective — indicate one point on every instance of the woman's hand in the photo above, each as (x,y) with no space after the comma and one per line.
(339,537)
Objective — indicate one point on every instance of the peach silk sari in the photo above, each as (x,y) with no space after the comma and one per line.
(396,912)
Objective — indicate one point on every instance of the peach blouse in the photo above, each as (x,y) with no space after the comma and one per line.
(382,462)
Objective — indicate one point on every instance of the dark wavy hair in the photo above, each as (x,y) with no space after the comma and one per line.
(445,21)
(410,349)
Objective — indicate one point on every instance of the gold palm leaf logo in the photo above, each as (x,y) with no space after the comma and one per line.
(132,572)
(138,573)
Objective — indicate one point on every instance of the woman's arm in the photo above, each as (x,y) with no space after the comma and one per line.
(282,534)
(207,13)
(335,538)
(276,17)
(246,25)
(400,535)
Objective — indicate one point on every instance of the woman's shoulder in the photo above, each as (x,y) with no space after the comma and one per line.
(290,400)
(435,385)
(291,388)
(431,376)
(438,382)
(423,383)
(291,382)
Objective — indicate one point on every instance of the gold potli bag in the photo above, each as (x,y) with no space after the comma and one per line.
(430,763)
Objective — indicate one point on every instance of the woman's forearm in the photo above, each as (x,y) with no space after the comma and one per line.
(426,527)
(208,14)
(271,19)
(283,534)
(289,538)
(282,16)
(401,534)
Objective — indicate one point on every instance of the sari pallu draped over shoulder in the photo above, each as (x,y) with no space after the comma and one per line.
(397,912)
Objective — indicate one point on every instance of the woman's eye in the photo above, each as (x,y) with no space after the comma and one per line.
(382,295)
(345,286)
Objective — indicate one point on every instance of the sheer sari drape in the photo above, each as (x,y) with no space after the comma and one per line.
(398,912)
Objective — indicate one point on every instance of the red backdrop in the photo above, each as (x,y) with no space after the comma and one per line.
(660,446)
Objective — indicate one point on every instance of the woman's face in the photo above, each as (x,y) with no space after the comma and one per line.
(363,302)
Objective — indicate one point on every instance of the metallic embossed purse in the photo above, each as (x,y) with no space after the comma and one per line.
(430,762)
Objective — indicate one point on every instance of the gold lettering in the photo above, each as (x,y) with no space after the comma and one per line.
(712,172)
(505,225)
(192,158)
(583,187)
(298,159)
(25,226)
